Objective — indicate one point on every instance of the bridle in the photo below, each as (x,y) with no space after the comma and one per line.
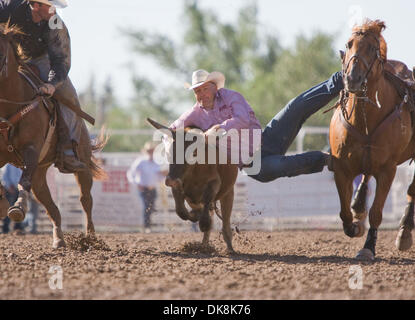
(344,97)
(368,66)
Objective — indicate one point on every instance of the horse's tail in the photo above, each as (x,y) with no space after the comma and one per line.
(94,164)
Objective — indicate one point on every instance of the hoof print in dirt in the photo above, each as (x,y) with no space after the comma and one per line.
(198,248)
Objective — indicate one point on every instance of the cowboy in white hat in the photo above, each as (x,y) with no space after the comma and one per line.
(216,108)
(47,43)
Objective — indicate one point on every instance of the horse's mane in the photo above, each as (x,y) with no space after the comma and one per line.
(9,32)
(375,28)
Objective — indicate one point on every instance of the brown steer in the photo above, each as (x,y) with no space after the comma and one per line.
(201,185)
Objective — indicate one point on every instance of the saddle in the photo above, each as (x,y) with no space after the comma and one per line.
(403,80)
(400,70)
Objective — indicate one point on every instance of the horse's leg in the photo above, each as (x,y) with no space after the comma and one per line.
(384,181)
(359,208)
(226,204)
(84,179)
(404,238)
(42,194)
(17,212)
(344,184)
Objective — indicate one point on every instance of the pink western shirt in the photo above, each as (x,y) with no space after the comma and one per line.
(230,111)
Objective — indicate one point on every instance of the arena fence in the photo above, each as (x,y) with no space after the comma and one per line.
(308,201)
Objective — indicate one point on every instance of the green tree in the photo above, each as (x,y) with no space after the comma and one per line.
(253,61)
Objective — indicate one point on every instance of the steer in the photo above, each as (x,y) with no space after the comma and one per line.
(201,185)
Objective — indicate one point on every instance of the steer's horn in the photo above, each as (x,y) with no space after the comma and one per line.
(157,125)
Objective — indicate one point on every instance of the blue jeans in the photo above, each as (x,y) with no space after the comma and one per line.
(281,131)
(149,197)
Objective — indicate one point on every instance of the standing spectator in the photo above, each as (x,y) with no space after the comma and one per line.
(32,215)
(10,180)
(146,175)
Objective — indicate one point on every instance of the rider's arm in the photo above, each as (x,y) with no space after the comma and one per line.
(59,50)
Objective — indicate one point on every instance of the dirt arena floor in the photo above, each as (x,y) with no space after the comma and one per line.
(277,265)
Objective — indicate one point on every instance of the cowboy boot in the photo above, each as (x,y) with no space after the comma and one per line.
(67,160)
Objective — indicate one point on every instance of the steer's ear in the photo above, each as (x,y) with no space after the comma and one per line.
(413,73)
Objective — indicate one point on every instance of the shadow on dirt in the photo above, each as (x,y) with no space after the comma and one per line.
(288,259)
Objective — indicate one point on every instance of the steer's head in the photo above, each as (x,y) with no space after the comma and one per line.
(176,152)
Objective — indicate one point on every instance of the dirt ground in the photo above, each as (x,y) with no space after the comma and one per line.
(277,265)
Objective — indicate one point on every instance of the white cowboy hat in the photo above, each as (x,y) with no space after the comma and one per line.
(201,76)
(150,145)
(56,3)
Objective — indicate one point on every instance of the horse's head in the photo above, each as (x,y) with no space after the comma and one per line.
(364,57)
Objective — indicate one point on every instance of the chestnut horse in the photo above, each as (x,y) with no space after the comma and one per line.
(371,132)
(28,141)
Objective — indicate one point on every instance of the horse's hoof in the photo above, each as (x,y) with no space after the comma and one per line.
(16,214)
(360,230)
(403,240)
(360,216)
(365,255)
(58,244)
(355,230)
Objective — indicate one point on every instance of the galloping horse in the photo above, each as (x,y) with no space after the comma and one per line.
(28,139)
(371,132)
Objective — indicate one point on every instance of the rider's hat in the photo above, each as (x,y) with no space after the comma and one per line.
(201,76)
(56,3)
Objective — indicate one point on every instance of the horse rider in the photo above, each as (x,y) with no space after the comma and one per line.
(45,39)
(217,108)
